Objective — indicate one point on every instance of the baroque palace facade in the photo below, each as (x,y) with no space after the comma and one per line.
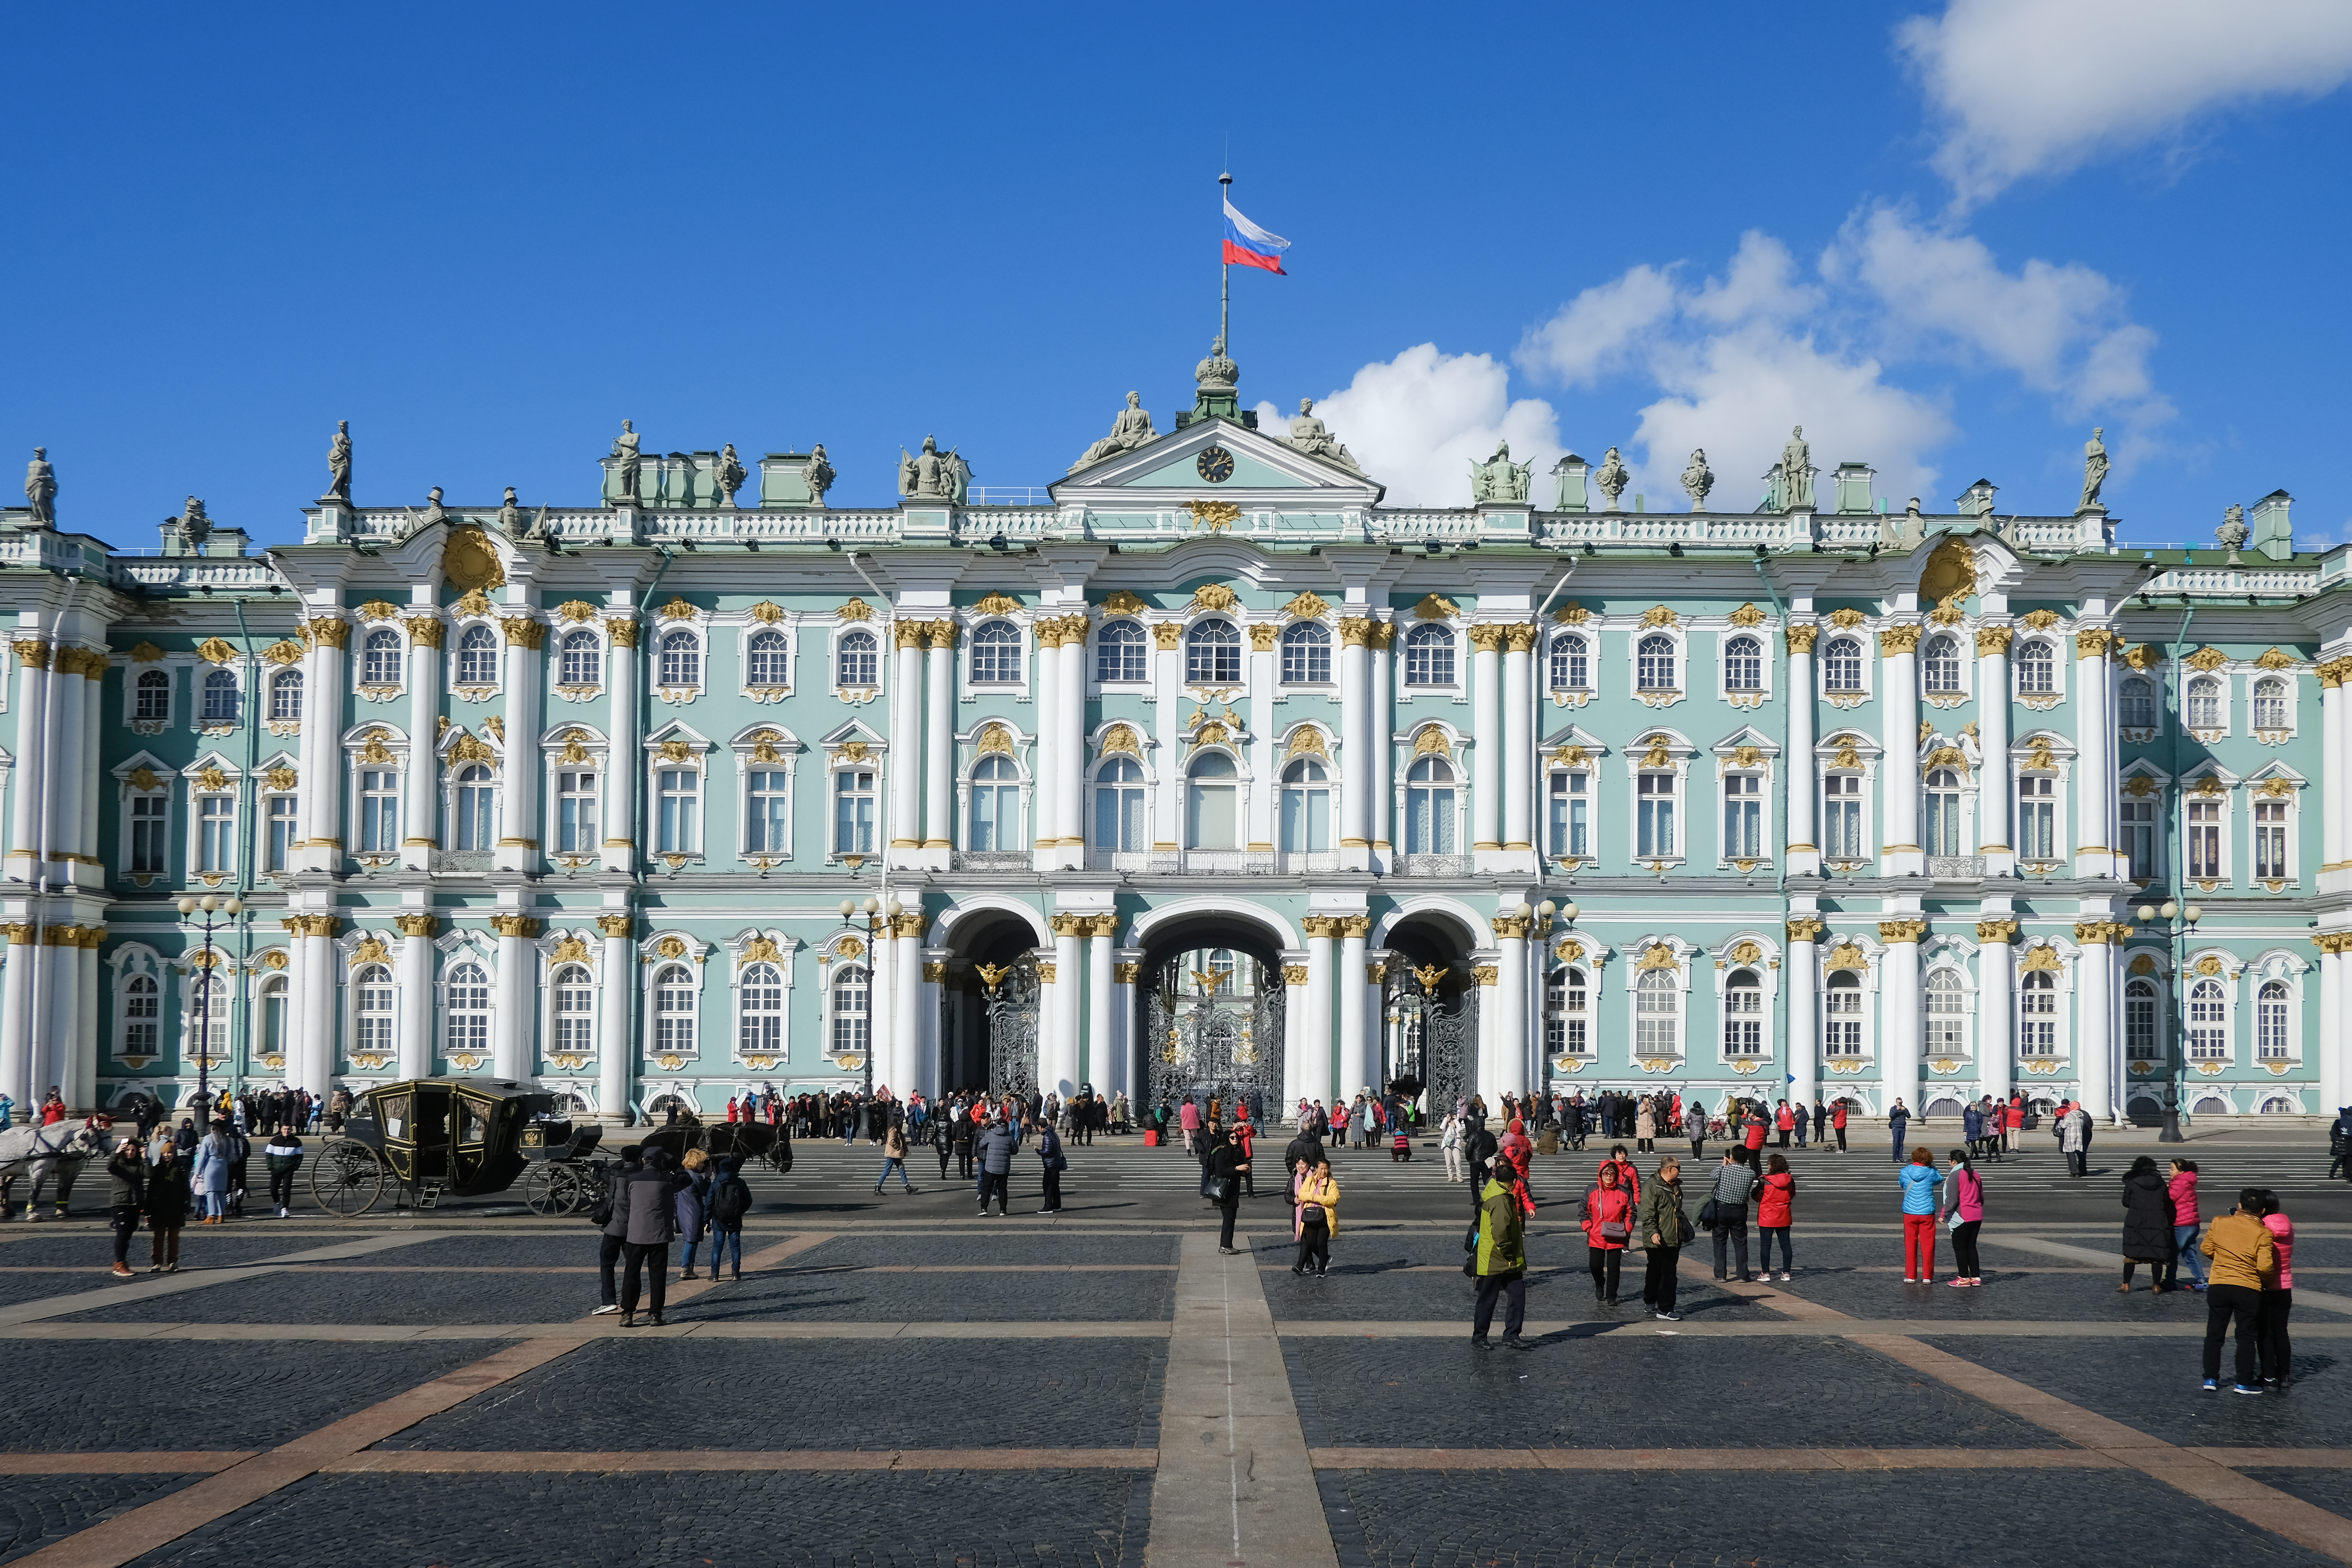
(1202,769)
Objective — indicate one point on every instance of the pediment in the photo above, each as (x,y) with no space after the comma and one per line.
(1265,465)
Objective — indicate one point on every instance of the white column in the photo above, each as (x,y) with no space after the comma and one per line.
(16,1071)
(2331,1022)
(930,1042)
(62,699)
(1044,805)
(2331,780)
(1486,752)
(623,766)
(82,1078)
(1070,972)
(1804,849)
(1518,752)
(1898,778)
(1800,978)
(1067,751)
(321,1001)
(1379,798)
(324,700)
(61,999)
(514,1026)
(1296,1037)
(882,1007)
(1995,1021)
(1126,967)
(31,756)
(615,1053)
(1316,1050)
(419,805)
(939,745)
(1265,752)
(518,847)
(90,870)
(1491,1075)
(2094,1021)
(906,698)
(1355,1033)
(1355,734)
(1898,1011)
(2094,767)
(912,1025)
(1994,788)
(1095,1061)
(416,1009)
(1510,998)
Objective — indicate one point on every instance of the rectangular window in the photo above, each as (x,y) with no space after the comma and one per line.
(217,833)
(285,830)
(853,812)
(2037,817)
(2269,840)
(2037,1017)
(679,823)
(1568,817)
(1743,1021)
(2205,840)
(1655,817)
(1743,816)
(576,818)
(1842,817)
(768,819)
(151,817)
(379,812)
(2139,1023)
(1841,1021)
(2141,840)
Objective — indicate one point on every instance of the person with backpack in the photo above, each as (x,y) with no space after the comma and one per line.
(1664,1228)
(1608,1225)
(730,1200)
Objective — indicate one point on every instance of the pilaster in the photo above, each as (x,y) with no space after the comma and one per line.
(615,1052)
(1801,981)
(1379,795)
(518,847)
(1996,789)
(32,764)
(1996,1005)
(1355,741)
(2095,770)
(623,765)
(1068,750)
(1801,695)
(420,787)
(1485,756)
(2334,876)
(1045,793)
(906,744)
(939,744)
(1898,784)
(417,1008)
(1519,856)
(1266,761)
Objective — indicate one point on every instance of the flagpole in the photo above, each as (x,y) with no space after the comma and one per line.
(1224,272)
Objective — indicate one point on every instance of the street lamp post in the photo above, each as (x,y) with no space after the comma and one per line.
(2178,922)
(875,912)
(232,907)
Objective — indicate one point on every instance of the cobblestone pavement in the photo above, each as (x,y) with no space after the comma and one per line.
(2153,1388)
(38,1508)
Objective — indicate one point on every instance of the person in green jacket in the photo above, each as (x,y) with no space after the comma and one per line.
(1663,1228)
(1501,1266)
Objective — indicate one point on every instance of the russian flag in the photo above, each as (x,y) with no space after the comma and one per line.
(1251,246)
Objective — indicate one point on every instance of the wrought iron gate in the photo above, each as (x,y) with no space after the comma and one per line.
(1430,1039)
(1012,1022)
(1216,1043)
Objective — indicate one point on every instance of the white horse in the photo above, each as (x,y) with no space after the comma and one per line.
(55,1152)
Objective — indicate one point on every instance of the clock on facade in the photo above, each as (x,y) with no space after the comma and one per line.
(1216,464)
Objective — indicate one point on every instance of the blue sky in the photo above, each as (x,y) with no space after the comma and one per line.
(1949,241)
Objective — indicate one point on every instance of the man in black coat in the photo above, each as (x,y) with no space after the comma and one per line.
(642,1203)
(612,1238)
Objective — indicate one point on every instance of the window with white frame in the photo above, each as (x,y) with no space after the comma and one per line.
(2270,704)
(853,811)
(2143,836)
(220,696)
(674,1007)
(1429,795)
(2271,1022)
(1212,653)
(474,809)
(2037,817)
(1842,1015)
(2204,835)
(2037,669)
(372,1011)
(1947,1015)
(1306,808)
(1429,655)
(1657,1013)
(852,1025)
(1121,820)
(1568,815)
(1743,816)
(1841,666)
(1654,664)
(2037,1013)
(2205,703)
(151,697)
(286,697)
(206,1024)
(1943,812)
(1568,1019)
(682,659)
(1842,835)
(379,659)
(466,1027)
(2140,1015)
(1653,817)
(216,833)
(1212,818)
(1571,663)
(856,659)
(2209,1022)
(994,817)
(270,1005)
(768,659)
(1939,666)
(995,654)
(768,812)
(1743,1014)
(579,661)
(761,993)
(1743,665)
(1122,652)
(285,831)
(2270,841)
(151,830)
(142,1018)
(577,818)
(2135,703)
(1306,654)
(677,792)
(378,809)
(575,1011)
(478,656)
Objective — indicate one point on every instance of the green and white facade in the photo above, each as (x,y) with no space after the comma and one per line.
(1846,801)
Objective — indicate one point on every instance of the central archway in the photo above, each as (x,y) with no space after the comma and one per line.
(1212,1013)
(988,1000)
(1429,1012)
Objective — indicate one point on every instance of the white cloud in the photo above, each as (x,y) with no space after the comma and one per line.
(2028,87)
(1417,422)
(1600,327)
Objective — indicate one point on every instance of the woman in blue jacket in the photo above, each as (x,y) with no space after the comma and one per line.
(1920,1181)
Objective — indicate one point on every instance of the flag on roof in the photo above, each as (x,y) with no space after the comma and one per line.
(1251,246)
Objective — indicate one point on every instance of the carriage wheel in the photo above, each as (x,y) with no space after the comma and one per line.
(574,1188)
(542,1189)
(347,1180)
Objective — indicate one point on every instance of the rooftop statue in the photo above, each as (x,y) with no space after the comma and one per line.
(2094,468)
(338,463)
(194,524)
(1698,479)
(1131,429)
(819,473)
(1217,371)
(41,489)
(1611,477)
(1499,479)
(931,474)
(2233,532)
(419,521)
(1308,434)
(1796,472)
(510,520)
(625,446)
(732,474)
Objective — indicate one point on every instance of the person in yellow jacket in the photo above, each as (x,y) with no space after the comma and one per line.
(1501,1263)
(1317,1217)
(2243,1255)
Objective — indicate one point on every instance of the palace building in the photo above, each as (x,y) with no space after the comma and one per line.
(1198,769)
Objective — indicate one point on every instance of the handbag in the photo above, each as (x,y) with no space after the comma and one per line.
(1614,1230)
(1221,1190)
(1952,1222)
(1708,1214)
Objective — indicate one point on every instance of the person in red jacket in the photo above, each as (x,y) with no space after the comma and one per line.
(1608,1226)
(1627,1177)
(1754,1142)
(1776,1207)
(1837,1121)
(2013,1122)
(1784,1122)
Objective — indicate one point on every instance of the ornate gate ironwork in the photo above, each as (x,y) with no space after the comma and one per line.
(1430,1039)
(1012,1021)
(1208,1042)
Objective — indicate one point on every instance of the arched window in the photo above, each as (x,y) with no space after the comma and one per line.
(1842,1015)
(995,805)
(1743,1014)
(761,991)
(271,1035)
(1654,664)
(1306,654)
(575,1011)
(768,659)
(1212,653)
(1119,821)
(474,808)
(1122,652)
(372,1011)
(207,1019)
(1429,656)
(856,661)
(2136,707)
(2270,1022)
(581,664)
(851,1023)
(1947,1015)
(1657,1013)
(1841,665)
(682,659)
(142,1016)
(1572,666)
(380,659)
(1939,668)
(1429,787)
(153,702)
(465,1029)
(674,1030)
(1567,1024)
(1743,665)
(996,654)
(2037,1015)
(286,697)
(220,696)
(2269,703)
(2037,669)
(478,656)
(1306,808)
(1944,812)
(2139,1021)
(2205,703)
(1211,817)
(2209,1022)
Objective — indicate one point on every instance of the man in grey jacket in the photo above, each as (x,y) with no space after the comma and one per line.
(996,1148)
(643,1204)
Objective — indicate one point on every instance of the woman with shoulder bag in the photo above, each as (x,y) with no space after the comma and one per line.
(1225,1185)
(1317,1219)
(1608,1229)
(1664,1227)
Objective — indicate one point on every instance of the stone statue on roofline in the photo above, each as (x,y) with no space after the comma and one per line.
(1612,477)
(731,475)
(1309,435)
(624,447)
(933,474)
(1500,479)
(1797,472)
(1698,479)
(819,473)
(41,489)
(338,463)
(1131,429)
(2094,468)
(2233,532)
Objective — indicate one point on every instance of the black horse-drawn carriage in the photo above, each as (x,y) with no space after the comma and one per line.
(468,1138)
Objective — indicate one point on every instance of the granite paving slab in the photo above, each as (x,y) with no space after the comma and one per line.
(201,1247)
(2330,1489)
(38,1510)
(2007,1293)
(2154,1387)
(407,1296)
(1061,1248)
(863,1295)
